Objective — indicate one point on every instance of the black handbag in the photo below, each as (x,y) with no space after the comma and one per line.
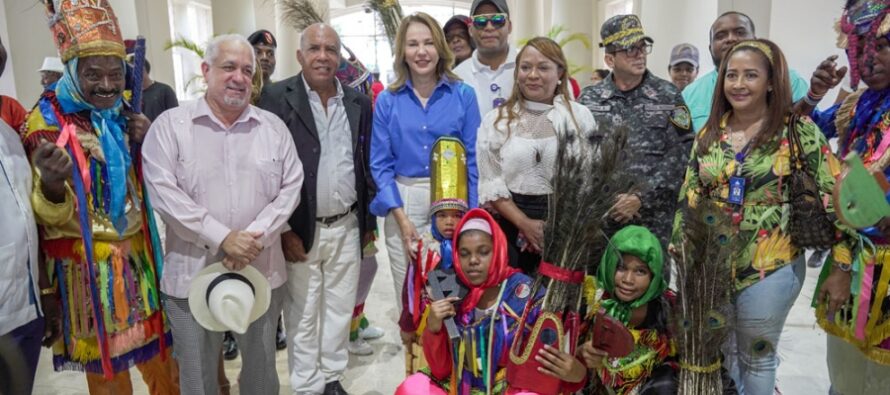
(809,225)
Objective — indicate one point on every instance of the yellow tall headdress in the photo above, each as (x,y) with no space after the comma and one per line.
(82,28)
(448,176)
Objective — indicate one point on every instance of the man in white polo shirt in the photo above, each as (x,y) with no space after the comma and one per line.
(490,70)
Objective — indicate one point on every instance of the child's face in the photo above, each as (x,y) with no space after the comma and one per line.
(446,221)
(632,278)
(475,247)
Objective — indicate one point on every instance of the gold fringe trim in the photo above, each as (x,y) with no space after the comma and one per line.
(842,41)
(845,113)
(702,369)
(868,347)
(885,26)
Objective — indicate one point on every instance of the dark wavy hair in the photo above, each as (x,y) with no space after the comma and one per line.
(778,101)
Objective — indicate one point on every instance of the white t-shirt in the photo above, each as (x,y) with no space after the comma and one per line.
(490,85)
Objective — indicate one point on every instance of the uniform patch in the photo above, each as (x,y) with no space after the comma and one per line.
(599,108)
(522,291)
(681,118)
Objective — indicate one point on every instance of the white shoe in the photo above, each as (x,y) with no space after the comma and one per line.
(360,347)
(371,333)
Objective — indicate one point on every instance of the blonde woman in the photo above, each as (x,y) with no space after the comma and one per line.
(427,101)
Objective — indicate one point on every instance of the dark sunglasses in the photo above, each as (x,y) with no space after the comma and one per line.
(497,20)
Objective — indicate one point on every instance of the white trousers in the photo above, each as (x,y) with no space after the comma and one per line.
(415,193)
(322,291)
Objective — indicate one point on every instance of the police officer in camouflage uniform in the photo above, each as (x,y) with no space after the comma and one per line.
(657,121)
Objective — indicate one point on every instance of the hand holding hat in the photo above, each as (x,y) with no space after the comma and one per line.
(225,300)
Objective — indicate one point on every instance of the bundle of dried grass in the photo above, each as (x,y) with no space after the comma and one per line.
(390,13)
(705,284)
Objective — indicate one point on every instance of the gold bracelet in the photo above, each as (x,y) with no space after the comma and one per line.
(48,291)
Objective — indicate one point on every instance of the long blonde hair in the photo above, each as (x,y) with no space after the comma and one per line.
(552,51)
(446,57)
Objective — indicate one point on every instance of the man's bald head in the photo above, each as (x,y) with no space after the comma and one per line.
(317,31)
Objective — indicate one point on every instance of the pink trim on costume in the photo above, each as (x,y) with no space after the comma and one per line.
(864,300)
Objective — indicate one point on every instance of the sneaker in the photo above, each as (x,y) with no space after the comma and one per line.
(280,338)
(371,333)
(817,258)
(360,347)
(334,388)
(230,347)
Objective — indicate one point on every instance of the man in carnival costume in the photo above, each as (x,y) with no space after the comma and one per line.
(851,300)
(100,247)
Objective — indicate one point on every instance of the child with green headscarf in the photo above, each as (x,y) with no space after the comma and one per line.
(635,293)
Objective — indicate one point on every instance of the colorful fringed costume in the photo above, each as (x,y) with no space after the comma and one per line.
(448,171)
(475,364)
(101,248)
(653,356)
(862,125)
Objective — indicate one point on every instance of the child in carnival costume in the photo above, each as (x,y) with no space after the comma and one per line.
(487,318)
(636,294)
(448,180)
(101,248)
(851,298)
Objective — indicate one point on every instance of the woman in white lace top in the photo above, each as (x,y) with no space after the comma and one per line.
(517,143)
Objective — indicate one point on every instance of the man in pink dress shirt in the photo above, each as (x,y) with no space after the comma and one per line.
(225,177)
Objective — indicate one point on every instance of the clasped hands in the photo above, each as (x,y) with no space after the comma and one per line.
(241,247)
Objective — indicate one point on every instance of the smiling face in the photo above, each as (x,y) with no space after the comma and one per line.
(875,72)
(747,82)
(229,78)
(420,51)
(632,278)
(319,55)
(682,74)
(475,251)
(101,80)
(446,221)
(538,76)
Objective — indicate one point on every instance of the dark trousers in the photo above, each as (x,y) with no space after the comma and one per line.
(534,207)
(27,339)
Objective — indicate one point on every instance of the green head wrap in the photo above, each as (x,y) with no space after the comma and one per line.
(641,243)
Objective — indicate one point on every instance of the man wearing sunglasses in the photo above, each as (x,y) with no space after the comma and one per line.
(490,70)
(657,122)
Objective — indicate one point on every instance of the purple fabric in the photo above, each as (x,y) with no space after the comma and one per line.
(365,279)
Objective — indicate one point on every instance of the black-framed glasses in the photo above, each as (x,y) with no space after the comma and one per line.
(497,20)
(637,49)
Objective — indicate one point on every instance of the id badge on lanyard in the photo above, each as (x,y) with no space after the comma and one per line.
(737,182)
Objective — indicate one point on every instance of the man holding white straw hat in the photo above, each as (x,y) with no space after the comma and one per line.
(225,177)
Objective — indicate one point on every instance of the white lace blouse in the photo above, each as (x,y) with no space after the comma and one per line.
(523,160)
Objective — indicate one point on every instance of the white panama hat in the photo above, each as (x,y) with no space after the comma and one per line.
(224,300)
(52,63)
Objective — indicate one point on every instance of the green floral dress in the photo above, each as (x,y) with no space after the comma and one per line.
(762,220)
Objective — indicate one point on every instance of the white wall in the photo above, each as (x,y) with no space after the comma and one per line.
(7,81)
(673,22)
(29,42)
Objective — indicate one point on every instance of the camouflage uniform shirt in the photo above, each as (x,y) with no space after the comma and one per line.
(658,143)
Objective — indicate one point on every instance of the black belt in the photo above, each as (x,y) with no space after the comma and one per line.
(334,218)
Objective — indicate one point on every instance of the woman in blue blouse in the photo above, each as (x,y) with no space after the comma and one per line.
(427,101)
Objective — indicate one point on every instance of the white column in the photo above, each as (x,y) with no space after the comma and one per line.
(575,16)
(153,19)
(233,16)
(26,52)
(525,15)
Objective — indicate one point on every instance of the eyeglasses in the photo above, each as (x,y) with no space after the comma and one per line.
(497,20)
(637,49)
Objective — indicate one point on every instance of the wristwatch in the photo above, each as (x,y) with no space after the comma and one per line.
(48,291)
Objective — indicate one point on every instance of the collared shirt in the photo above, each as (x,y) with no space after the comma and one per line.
(490,85)
(336,187)
(18,238)
(404,133)
(206,180)
(699,93)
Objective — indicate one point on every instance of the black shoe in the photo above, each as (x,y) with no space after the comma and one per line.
(230,348)
(280,338)
(334,388)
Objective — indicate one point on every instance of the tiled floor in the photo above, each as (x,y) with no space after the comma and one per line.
(802,349)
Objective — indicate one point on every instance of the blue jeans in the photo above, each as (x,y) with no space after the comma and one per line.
(761,310)
(27,338)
